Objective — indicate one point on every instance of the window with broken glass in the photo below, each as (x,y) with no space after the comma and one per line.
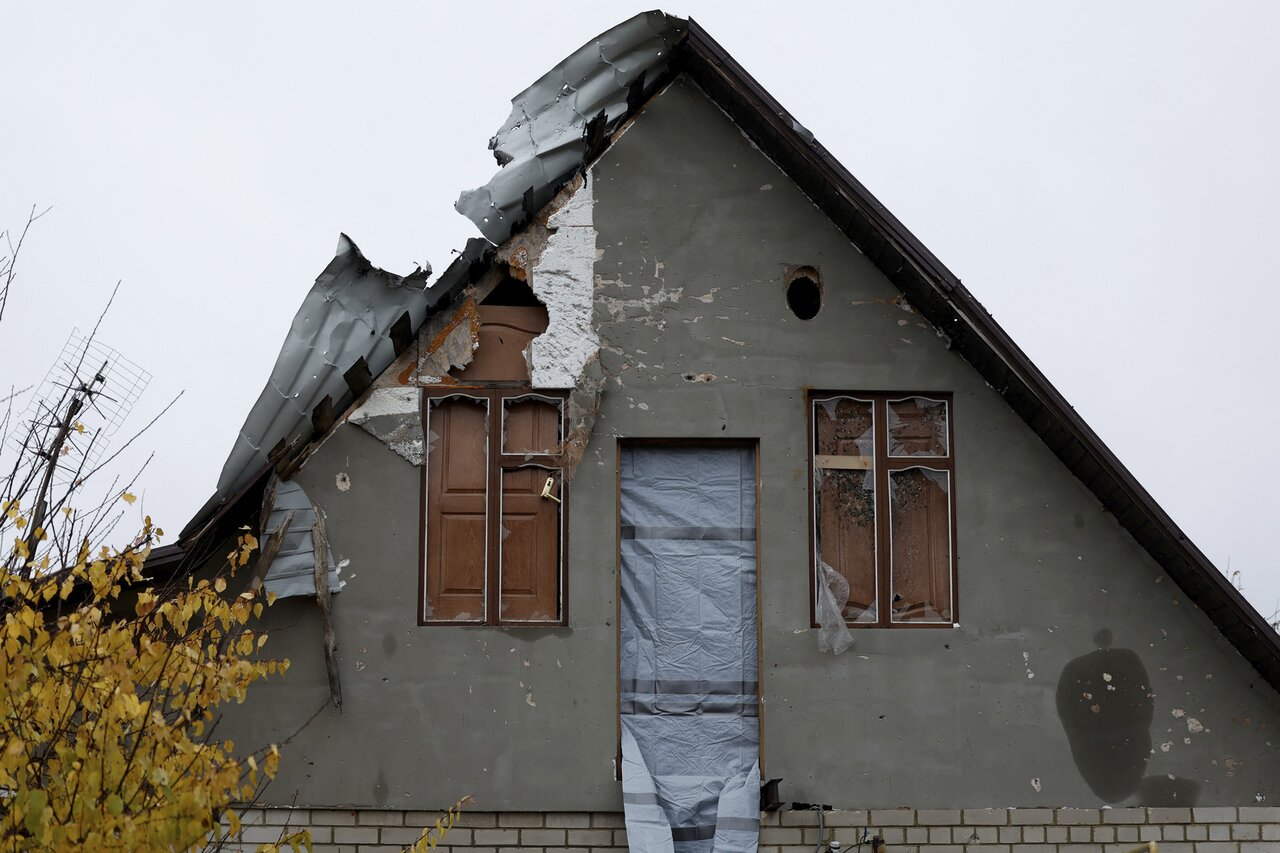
(883,480)
(494,504)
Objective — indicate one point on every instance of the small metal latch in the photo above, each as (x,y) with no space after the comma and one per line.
(547,487)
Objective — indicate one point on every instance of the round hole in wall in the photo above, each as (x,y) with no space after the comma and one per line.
(804,293)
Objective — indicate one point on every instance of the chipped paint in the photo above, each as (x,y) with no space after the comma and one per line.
(650,307)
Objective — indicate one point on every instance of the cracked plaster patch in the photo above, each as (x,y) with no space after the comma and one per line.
(393,415)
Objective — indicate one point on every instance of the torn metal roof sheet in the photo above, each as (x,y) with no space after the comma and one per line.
(345,317)
(544,139)
(346,323)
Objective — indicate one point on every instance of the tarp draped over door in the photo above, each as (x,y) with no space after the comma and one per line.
(689,667)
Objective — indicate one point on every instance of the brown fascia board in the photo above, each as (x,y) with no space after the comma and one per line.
(975,334)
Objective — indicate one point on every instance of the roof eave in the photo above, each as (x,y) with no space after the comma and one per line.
(975,334)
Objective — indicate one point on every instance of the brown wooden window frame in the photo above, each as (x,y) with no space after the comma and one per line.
(883,464)
(498,461)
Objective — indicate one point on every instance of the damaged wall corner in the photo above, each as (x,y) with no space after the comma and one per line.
(448,343)
(555,255)
(393,415)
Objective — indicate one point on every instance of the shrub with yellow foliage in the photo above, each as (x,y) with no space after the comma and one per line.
(110,680)
(107,709)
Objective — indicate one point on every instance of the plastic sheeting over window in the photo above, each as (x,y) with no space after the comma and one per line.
(920,518)
(689,678)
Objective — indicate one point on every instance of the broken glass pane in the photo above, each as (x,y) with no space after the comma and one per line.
(531,425)
(846,512)
(918,427)
(843,426)
(920,543)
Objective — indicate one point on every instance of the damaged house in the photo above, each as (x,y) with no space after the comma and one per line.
(699,471)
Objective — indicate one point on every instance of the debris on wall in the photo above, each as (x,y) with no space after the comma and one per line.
(451,347)
(584,406)
(393,415)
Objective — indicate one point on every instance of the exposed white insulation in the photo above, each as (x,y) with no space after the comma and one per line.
(393,415)
(541,144)
(292,571)
(563,281)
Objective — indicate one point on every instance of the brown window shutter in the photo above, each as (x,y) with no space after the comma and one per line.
(531,523)
(530,546)
(921,517)
(457,473)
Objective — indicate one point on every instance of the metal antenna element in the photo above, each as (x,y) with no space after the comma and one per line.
(101,384)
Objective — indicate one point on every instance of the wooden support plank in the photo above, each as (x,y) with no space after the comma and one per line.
(268,504)
(320,544)
(594,136)
(263,564)
(635,95)
(853,463)
(358,377)
(402,333)
(322,416)
(266,556)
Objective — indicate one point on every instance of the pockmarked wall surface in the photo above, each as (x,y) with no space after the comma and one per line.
(693,231)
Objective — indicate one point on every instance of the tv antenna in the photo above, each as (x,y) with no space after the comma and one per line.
(78,408)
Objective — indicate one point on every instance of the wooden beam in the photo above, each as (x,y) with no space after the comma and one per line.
(320,543)
(402,333)
(322,416)
(262,565)
(358,377)
(853,463)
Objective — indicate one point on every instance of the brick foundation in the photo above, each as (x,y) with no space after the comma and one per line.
(1175,830)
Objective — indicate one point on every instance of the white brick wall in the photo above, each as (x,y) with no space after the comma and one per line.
(1119,830)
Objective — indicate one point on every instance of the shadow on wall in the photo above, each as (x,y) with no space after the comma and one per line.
(1106,708)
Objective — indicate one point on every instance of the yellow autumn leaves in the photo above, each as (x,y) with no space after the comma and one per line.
(108,686)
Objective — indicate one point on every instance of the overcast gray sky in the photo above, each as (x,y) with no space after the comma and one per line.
(1103,176)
